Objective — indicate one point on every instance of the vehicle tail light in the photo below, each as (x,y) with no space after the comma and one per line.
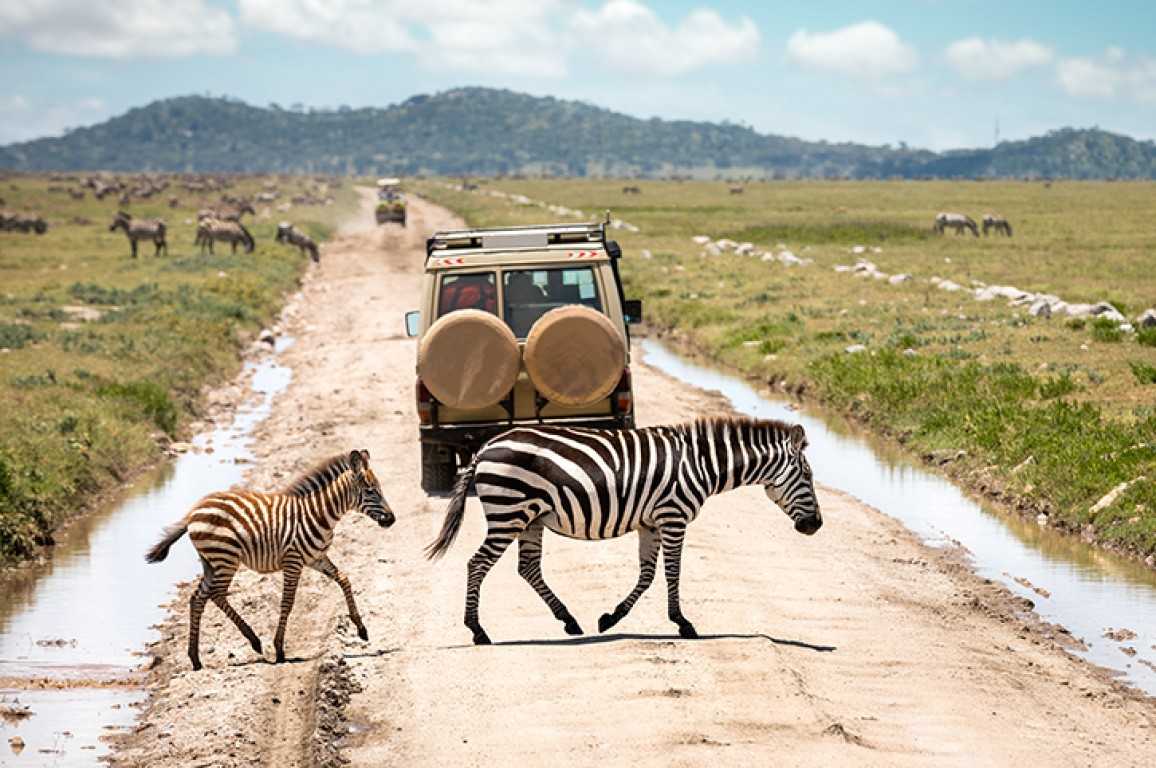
(623,394)
(425,404)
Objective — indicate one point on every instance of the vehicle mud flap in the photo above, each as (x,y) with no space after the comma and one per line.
(439,467)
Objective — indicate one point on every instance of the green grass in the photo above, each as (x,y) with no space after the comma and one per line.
(106,356)
(985,377)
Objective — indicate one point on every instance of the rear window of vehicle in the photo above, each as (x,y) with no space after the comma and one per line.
(530,293)
(471,291)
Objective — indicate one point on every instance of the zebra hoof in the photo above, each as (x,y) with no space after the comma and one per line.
(571,627)
(196,665)
(280,656)
(256,643)
(481,638)
(606,621)
(363,633)
(687,631)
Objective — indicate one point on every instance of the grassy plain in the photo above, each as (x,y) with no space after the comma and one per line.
(1052,413)
(103,357)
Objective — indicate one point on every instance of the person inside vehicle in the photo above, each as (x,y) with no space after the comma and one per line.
(468,292)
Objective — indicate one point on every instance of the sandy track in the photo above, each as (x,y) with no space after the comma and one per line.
(858,645)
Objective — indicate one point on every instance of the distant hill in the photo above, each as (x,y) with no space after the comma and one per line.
(488,132)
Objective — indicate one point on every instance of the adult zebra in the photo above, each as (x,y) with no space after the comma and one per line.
(152,230)
(598,484)
(268,532)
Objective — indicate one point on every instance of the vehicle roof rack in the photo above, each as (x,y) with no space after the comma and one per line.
(538,235)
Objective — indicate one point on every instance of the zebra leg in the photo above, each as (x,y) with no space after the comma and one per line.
(530,569)
(647,559)
(291,571)
(218,593)
(326,567)
(672,537)
(476,570)
(196,610)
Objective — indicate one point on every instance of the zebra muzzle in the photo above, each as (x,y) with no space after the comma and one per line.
(809,524)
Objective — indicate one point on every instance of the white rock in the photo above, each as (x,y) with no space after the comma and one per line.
(646,254)
(712,249)
(842,268)
(950,286)
(726,244)
(858,249)
(1110,497)
(855,349)
(1040,308)
(900,278)
(876,249)
(1127,328)
(767,257)
(790,259)
(909,352)
(700,239)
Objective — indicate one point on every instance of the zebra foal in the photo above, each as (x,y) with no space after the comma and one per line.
(599,484)
(267,532)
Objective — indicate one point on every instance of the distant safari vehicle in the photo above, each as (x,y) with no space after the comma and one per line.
(390,202)
(518,326)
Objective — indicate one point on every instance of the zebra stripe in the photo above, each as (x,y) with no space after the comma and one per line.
(269,532)
(600,484)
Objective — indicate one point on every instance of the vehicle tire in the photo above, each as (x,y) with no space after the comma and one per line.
(439,467)
(469,359)
(574,355)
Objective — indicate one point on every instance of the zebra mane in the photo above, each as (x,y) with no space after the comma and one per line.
(740,422)
(321,475)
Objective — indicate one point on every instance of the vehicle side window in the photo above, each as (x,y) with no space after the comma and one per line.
(531,293)
(472,291)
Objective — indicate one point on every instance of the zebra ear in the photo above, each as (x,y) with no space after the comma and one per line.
(798,437)
(365,456)
(356,460)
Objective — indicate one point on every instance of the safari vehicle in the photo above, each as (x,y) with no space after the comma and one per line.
(390,202)
(518,326)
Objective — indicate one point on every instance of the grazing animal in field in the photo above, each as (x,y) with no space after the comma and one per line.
(631,191)
(736,190)
(210,231)
(598,484)
(290,235)
(22,222)
(267,532)
(152,230)
(998,223)
(957,221)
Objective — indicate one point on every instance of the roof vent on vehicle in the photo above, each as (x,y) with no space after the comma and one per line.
(514,240)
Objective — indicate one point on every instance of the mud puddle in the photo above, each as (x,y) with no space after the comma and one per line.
(72,630)
(1090,592)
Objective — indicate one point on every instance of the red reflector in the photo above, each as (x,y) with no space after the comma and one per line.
(425,403)
(623,395)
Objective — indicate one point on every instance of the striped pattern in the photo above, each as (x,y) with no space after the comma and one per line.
(151,230)
(290,235)
(269,532)
(600,484)
(998,223)
(957,221)
(210,231)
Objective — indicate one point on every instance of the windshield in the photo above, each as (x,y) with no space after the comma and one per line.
(531,293)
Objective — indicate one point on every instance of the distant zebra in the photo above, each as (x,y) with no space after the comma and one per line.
(210,231)
(269,532)
(152,230)
(998,223)
(632,190)
(290,235)
(736,190)
(599,484)
(956,221)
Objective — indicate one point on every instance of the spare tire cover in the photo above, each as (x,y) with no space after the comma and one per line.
(468,359)
(574,355)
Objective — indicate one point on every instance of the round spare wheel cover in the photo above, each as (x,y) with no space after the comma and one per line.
(574,355)
(469,359)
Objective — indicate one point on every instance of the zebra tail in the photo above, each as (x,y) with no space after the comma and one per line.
(454,513)
(160,550)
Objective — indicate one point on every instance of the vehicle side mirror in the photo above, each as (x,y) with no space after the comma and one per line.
(412,323)
(632,311)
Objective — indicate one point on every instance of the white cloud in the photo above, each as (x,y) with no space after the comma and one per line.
(506,36)
(867,49)
(522,37)
(1113,75)
(22,118)
(630,36)
(118,30)
(979,59)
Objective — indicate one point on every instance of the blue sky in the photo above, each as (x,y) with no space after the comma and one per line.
(930,73)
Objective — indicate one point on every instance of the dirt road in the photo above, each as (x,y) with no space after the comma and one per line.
(856,646)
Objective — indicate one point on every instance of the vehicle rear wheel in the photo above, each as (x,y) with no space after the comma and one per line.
(439,467)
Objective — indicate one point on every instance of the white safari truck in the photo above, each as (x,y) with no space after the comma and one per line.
(390,202)
(518,326)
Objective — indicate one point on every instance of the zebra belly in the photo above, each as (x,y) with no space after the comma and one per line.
(563,527)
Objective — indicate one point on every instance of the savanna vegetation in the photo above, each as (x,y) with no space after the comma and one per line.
(492,131)
(103,358)
(1049,414)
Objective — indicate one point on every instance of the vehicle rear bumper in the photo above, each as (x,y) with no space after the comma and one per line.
(471,437)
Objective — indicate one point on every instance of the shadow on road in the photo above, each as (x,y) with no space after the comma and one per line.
(621,636)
